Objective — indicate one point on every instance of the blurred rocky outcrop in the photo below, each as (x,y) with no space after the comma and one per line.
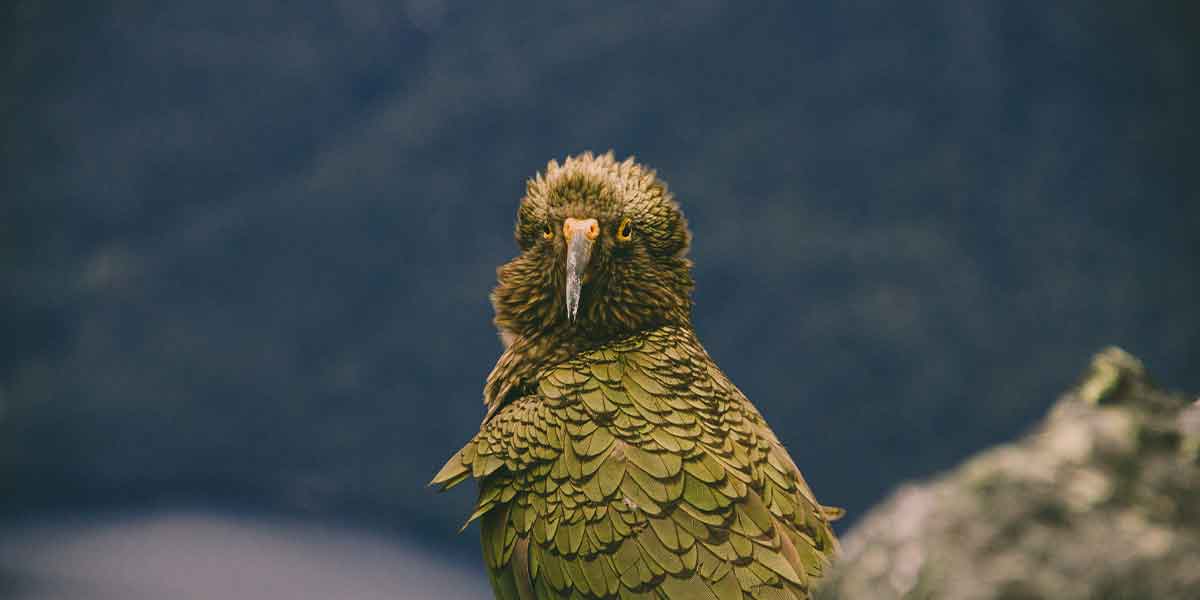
(1101,500)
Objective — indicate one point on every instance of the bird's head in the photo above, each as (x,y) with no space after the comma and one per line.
(603,249)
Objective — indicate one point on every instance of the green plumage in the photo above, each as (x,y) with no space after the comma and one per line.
(631,467)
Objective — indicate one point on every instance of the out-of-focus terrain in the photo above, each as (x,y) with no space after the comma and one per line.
(203,555)
(246,247)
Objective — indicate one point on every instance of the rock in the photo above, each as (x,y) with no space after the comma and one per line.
(1101,500)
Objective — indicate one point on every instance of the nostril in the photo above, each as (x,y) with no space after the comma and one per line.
(588,228)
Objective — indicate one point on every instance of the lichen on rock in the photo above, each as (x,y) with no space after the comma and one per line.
(1100,500)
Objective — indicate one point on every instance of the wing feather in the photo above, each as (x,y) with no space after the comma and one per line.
(639,471)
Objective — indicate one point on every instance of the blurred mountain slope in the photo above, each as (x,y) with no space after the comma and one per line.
(246,248)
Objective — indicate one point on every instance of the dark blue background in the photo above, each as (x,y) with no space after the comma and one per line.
(246,247)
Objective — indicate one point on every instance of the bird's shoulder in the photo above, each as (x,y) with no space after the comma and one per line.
(656,388)
(647,386)
(637,466)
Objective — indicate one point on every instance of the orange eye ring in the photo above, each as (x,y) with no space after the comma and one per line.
(625,230)
(547,232)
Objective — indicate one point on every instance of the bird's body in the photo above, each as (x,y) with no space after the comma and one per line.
(616,459)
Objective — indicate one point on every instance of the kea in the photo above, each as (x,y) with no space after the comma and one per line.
(616,460)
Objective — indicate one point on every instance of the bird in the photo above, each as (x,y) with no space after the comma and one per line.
(615,459)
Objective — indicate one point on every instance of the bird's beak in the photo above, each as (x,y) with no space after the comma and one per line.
(580,235)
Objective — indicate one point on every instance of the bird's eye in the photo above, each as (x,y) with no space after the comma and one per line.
(625,230)
(547,232)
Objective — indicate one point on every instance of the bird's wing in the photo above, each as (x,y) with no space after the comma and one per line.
(638,471)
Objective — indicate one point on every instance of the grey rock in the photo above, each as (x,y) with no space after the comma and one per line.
(1100,500)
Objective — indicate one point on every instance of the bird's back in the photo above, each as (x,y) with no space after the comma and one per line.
(637,470)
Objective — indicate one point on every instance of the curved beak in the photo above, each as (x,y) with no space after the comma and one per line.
(580,235)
